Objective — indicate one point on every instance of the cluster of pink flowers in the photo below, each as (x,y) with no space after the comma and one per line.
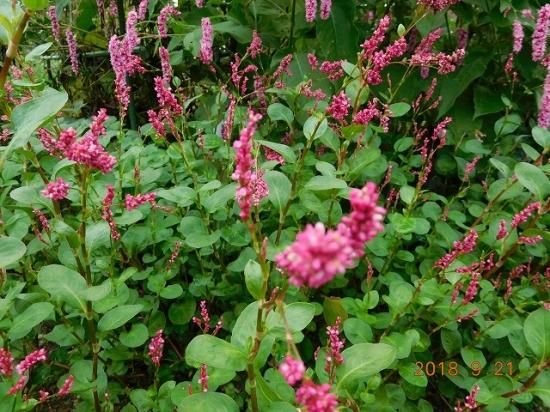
(73,54)
(292,370)
(333,70)
(460,247)
(156,347)
(86,151)
(529,240)
(132,202)
(42,219)
(243,169)
(67,386)
(199,3)
(206,54)
(271,154)
(258,187)
(142,9)
(204,321)
(317,94)
(339,106)
(6,362)
(39,355)
(52,14)
(57,190)
(255,47)
(424,56)
(437,5)
(540,35)
(316,398)
(382,58)
(6,366)
(470,167)
(335,345)
(472,289)
(366,115)
(517,30)
(227,127)
(502,231)
(169,107)
(238,76)
(162,20)
(318,255)
(165,64)
(123,61)
(311,10)
(326,6)
(107,214)
(375,40)
(525,214)
(283,67)
(544,112)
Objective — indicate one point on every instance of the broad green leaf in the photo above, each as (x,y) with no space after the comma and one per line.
(399,109)
(32,316)
(282,149)
(279,188)
(325,183)
(314,127)
(219,198)
(298,315)
(183,196)
(38,51)
(118,316)
(254,279)
(36,5)
(245,326)
(98,292)
(357,331)
(533,179)
(278,111)
(409,370)
(137,336)
(338,43)
(507,124)
(208,401)
(406,193)
(537,333)
(215,352)
(29,116)
(362,361)
(64,284)
(541,136)
(11,250)
(486,102)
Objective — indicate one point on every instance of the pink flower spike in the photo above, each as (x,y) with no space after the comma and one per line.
(243,167)
(502,231)
(525,214)
(6,362)
(206,53)
(43,395)
(311,10)
(292,370)
(530,240)
(19,385)
(156,347)
(142,9)
(339,106)
(132,202)
(518,36)
(67,386)
(316,398)
(544,111)
(372,43)
(71,43)
(57,190)
(540,35)
(335,346)
(52,14)
(199,3)
(461,247)
(39,355)
(326,6)
(255,47)
(162,20)
(203,378)
(165,64)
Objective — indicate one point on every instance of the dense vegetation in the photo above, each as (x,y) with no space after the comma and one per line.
(259,205)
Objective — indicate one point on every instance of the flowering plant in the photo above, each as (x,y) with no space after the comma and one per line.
(310,205)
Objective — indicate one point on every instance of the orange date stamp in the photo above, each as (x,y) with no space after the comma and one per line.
(452,368)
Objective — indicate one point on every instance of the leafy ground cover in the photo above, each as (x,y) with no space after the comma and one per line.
(285,205)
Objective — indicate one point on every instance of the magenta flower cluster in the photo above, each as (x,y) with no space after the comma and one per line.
(460,247)
(206,54)
(57,190)
(292,370)
(156,347)
(316,398)
(318,254)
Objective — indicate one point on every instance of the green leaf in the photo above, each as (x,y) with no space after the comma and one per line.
(137,336)
(406,193)
(338,43)
(38,51)
(486,102)
(208,401)
(215,352)
(357,331)
(533,179)
(64,284)
(181,313)
(254,279)
(32,316)
(537,333)
(279,188)
(183,196)
(408,372)
(283,150)
(98,292)
(36,5)
(399,109)
(451,340)
(118,316)
(298,315)
(325,183)
(278,111)
(29,116)
(314,127)
(11,250)
(362,361)
(541,136)
(507,124)
(219,198)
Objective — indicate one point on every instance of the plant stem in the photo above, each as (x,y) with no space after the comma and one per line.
(13,45)
(292,19)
